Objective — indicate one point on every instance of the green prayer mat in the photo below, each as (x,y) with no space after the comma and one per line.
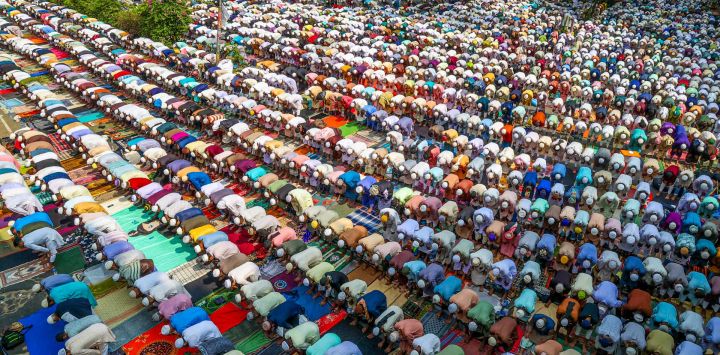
(350,128)
(208,302)
(258,202)
(248,337)
(105,287)
(167,253)
(342,210)
(130,218)
(254,342)
(69,261)
(337,258)
(44,197)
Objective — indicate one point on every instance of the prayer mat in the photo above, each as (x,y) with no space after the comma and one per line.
(393,294)
(75,166)
(203,287)
(472,347)
(368,220)
(254,342)
(90,116)
(350,129)
(331,320)
(18,258)
(347,331)
(216,300)
(413,309)
(339,259)
(432,323)
(130,328)
(167,252)
(6,245)
(24,271)
(366,273)
(45,197)
(303,149)
(113,194)
(60,54)
(105,287)
(116,307)
(211,212)
(228,316)
(116,205)
(130,218)
(272,349)
(18,300)
(271,269)
(452,336)
(70,260)
(283,282)
(40,334)
(153,342)
(342,209)
(362,136)
(313,309)
(335,121)
(58,143)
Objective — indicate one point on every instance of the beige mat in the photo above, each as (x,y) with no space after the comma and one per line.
(116,205)
(117,306)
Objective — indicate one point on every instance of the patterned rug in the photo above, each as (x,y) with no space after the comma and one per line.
(24,271)
(215,300)
(152,342)
(271,269)
(452,336)
(116,307)
(283,282)
(248,337)
(368,220)
(434,324)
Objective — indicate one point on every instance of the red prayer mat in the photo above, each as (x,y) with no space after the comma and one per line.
(153,342)
(329,321)
(228,316)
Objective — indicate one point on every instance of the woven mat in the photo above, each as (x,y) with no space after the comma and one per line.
(366,273)
(393,293)
(116,307)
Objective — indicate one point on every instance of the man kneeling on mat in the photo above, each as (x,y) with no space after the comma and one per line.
(286,316)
